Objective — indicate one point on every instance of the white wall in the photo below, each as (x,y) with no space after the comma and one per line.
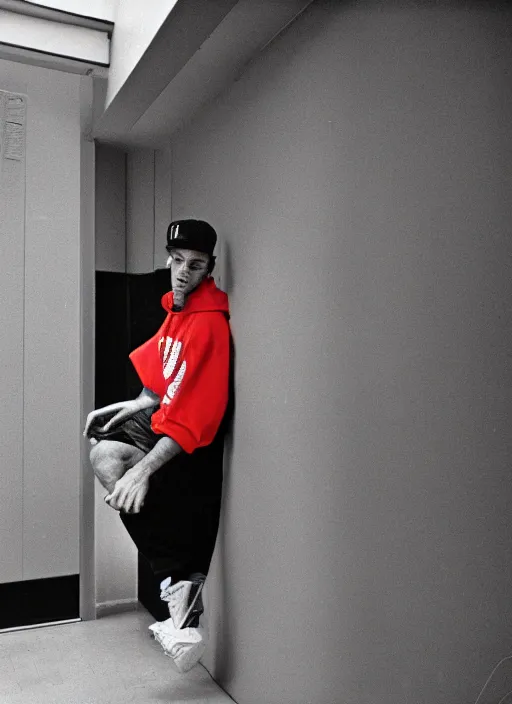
(110,209)
(360,171)
(136,24)
(116,556)
(149,206)
(140,211)
(42,496)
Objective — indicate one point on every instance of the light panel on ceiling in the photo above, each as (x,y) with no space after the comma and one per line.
(54,38)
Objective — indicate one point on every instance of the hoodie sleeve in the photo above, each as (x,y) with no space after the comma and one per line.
(146,360)
(197,385)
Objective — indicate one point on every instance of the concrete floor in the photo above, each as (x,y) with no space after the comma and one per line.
(112,660)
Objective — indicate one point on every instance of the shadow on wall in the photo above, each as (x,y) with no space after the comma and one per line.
(229,279)
(219,596)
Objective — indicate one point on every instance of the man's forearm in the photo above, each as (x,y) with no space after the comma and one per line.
(164,451)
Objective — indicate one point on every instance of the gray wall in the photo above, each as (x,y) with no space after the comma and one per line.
(360,172)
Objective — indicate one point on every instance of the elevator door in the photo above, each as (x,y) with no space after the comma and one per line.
(39,345)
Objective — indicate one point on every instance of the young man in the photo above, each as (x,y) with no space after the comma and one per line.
(160,456)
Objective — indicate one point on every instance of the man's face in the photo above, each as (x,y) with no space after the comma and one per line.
(188,269)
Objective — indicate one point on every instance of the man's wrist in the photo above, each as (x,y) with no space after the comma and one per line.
(148,396)
(145,468)
(141,471)
(141,403)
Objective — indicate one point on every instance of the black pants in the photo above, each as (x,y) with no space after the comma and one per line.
(176,528)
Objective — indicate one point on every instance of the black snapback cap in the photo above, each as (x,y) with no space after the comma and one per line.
(191,234)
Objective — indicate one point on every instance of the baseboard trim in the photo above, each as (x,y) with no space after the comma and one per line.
(40,625)
(119,606)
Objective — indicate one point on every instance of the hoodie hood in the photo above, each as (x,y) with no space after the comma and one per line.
(205,298)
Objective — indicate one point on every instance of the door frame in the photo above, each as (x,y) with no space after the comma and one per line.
(87,346)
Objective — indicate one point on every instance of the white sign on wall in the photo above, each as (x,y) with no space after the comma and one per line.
(13,112)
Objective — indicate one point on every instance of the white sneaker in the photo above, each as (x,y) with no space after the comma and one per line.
(184,601)
(184,645)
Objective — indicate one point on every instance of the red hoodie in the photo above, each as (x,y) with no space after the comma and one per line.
(186,363)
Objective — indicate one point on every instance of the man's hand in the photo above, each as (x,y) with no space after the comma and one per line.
(129,492)
(122,411)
